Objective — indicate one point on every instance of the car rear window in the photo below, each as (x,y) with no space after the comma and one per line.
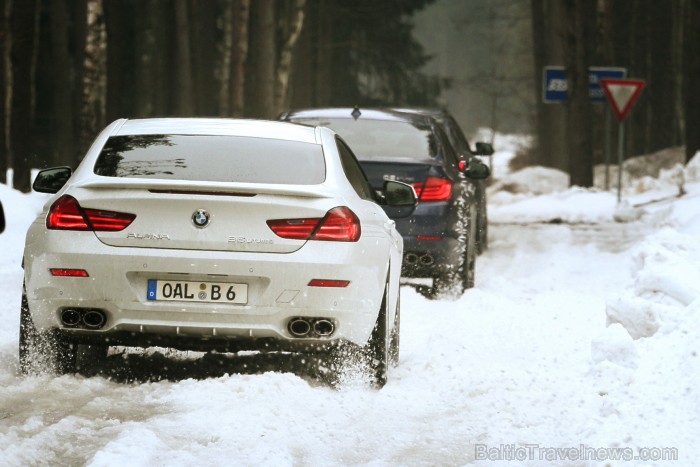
(212,158)
(370,139)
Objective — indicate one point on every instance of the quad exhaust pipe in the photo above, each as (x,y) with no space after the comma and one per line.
(94,319)
(310,327)
(427,259)
(412,259)
(323,327)
(83,318)
(299,327)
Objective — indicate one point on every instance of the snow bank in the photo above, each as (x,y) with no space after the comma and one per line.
(647,361)
(539,194)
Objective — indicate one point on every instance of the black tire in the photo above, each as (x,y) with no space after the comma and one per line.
(377,349)
(43,352)
(482,243)
(468,268)
(395,337)
(455,278)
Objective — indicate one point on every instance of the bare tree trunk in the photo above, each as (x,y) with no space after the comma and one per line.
(120,33)
(692,77)
(94,75)
(285,62)
(661,78)
(241,15)
(301,79)
(79,8)
(61,123)
(678,78)
(578,116)
(548,34)
(225,58)
(544,150)
(5,88)
(23,25)
(324,56)
(262,59)
(183,65)
(144,51)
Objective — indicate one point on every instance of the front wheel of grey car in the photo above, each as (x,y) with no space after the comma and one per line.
(43,352)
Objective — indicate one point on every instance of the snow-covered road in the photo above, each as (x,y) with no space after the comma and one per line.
(520,365)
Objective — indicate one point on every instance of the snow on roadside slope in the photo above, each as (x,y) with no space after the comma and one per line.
(647,362)
(539,194)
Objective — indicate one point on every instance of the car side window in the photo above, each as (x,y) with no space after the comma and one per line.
(354,172)
(450,154)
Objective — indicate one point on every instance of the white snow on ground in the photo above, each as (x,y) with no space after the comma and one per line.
(582,335)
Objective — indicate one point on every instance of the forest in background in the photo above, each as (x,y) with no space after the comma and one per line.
(69,67)
(657,41)
(72,66)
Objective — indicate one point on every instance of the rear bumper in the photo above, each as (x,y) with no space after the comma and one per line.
(277,291)
(230,343)
(427,258)
(431,239)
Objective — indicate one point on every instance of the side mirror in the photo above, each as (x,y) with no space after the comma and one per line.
(2,219)
(398,199)
(483,149)
(399,194)
(51,180)
(476,169)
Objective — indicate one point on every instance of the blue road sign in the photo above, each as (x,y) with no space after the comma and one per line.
(555,85)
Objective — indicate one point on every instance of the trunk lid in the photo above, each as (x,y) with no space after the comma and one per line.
(196,219)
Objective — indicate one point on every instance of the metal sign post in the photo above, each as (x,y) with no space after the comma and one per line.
(620,157)
(621,93)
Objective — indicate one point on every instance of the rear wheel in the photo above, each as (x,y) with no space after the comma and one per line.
(455,278)
(482,228)
(377,349)
(468,269)
(43,352)
(395,338)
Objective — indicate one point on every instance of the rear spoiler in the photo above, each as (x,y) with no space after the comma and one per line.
(306,191)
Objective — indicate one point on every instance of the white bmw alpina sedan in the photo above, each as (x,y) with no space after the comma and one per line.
(212,234)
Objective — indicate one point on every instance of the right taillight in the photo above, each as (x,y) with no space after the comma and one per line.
(339,224)
(433,189)
(67,214)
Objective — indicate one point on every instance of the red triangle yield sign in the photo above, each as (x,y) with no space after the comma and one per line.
(621,94)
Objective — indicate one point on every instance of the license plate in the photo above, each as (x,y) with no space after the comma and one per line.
(191,291)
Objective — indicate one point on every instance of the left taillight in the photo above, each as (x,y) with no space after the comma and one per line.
(67,214)
(433,189)
(339,224)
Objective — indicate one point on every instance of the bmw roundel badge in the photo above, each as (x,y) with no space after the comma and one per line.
(200,218)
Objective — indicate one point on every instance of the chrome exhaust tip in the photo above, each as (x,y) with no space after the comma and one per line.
(94,319)
(70,317)
(427,260)
(411,258)
(299,327)
(324,327)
